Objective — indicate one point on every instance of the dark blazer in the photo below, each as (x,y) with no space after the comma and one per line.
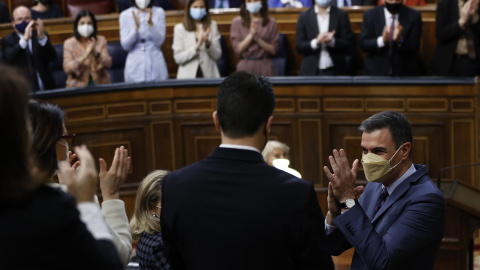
(233,211)
(232,3)
(405,54)
(15,56)
(45,232)
(406,233)
(356,2)
(448,33)
(307,29)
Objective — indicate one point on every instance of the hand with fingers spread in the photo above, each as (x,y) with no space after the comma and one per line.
(111,180)
(334,209)
(73,167)
(81,185)
(343,178)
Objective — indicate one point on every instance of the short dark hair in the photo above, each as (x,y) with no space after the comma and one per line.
(397,124)
(81,14)
(15,180)
(45,2)
(244,103)
(47,126)
(148,6)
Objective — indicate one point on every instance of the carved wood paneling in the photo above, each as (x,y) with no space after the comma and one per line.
(311,150)
(463,152)
(163,146)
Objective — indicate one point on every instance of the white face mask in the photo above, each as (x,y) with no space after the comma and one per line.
(142,4)
(254,7)
(323,3)
(85,30)
(377,167)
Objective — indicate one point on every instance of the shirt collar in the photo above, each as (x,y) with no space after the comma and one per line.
(388,14)
(241,147)
(402,178)
(316,9)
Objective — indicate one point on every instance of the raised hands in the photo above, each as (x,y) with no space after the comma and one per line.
(467,11)
(111,180)
(28,30)
(83,183)
(325,37)
(136,19)
(40,29)
(397,33)
(73,167)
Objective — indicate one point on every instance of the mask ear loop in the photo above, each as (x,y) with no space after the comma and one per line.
(155,215)
(391,168)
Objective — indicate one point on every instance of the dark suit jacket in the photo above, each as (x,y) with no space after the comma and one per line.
(15,56)
(233,211)
(355,3)
(406,233)
(448,33)
(232,3)
(405,54)
(307,29)
(44,231)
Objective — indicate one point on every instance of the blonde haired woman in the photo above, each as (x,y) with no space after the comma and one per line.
(145,224)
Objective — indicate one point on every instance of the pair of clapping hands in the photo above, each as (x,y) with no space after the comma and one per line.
(467,11)
(34,24)
(342,183)
(82,183)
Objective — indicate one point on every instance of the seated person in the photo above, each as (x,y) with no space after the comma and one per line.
(4,16)
(124,4)
(85,55)
(33,214)
(224,3)
(45,9)
(276,154)
(196,43)
(407,3)
(29,49)
(390,37)
(324,37)
(145,224)
(458,39)
(52,144)
(254,37)
(289,3)
(142,33)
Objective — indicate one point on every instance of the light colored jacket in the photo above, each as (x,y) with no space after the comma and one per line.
(189,60)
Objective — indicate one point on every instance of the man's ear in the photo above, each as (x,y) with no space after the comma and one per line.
(216,122)
(406,148)
(269,123)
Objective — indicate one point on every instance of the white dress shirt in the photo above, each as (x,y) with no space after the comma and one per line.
(323,23)
(388,23)
(23,44)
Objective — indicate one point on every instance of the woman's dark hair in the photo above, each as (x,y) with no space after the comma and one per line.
(47,3)
(189,22)
(245,14)
(81,14)
(47,126)
(15,180)
(149,5)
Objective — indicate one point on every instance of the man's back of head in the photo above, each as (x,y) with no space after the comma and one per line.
(244,103)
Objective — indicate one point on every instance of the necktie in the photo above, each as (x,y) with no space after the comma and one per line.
(470,45)
(390,44)
(381,200)
(220,5)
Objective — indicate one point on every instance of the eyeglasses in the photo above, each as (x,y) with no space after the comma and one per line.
(158,206)
(19,20)
(70,138)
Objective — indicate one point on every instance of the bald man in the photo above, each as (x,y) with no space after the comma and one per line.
(28,49)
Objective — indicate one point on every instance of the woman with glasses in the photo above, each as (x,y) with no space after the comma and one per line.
(145,224)
(254,37)
(51,144)
(85,55)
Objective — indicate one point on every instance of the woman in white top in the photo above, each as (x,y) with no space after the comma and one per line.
(196,43)
(142,33)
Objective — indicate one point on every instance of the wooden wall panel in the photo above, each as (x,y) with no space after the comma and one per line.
(163,146)
(311,150)
(462,152)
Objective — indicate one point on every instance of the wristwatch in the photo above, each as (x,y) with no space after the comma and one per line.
(349,203)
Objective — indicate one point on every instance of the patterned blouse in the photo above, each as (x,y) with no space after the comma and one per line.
(150,252)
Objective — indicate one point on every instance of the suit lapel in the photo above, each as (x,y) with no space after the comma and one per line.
(312,20)
(399,191)
(380,20)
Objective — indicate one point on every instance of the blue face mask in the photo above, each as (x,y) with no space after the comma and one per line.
(323,3)
(254,7)
(21,26)
(198,13)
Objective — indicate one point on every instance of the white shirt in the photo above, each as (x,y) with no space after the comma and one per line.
(388,23)
(241,147)
(23,44)
(323,23)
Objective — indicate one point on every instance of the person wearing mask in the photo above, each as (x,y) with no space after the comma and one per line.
(142,33)
(276,154)
(289,3)
(196,43)
(254,37)
(85,55)
(324,37)
(29,49)
(407,3)
(124,4)
(145,225)
(458,39)
(45,9)
(390,37)
(43,227)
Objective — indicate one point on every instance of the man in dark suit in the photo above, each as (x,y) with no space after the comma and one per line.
(324,37)
(391,38)
(458,36)
(349,3)
(233,210)
(28,49)
(224,3)
(399,221)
